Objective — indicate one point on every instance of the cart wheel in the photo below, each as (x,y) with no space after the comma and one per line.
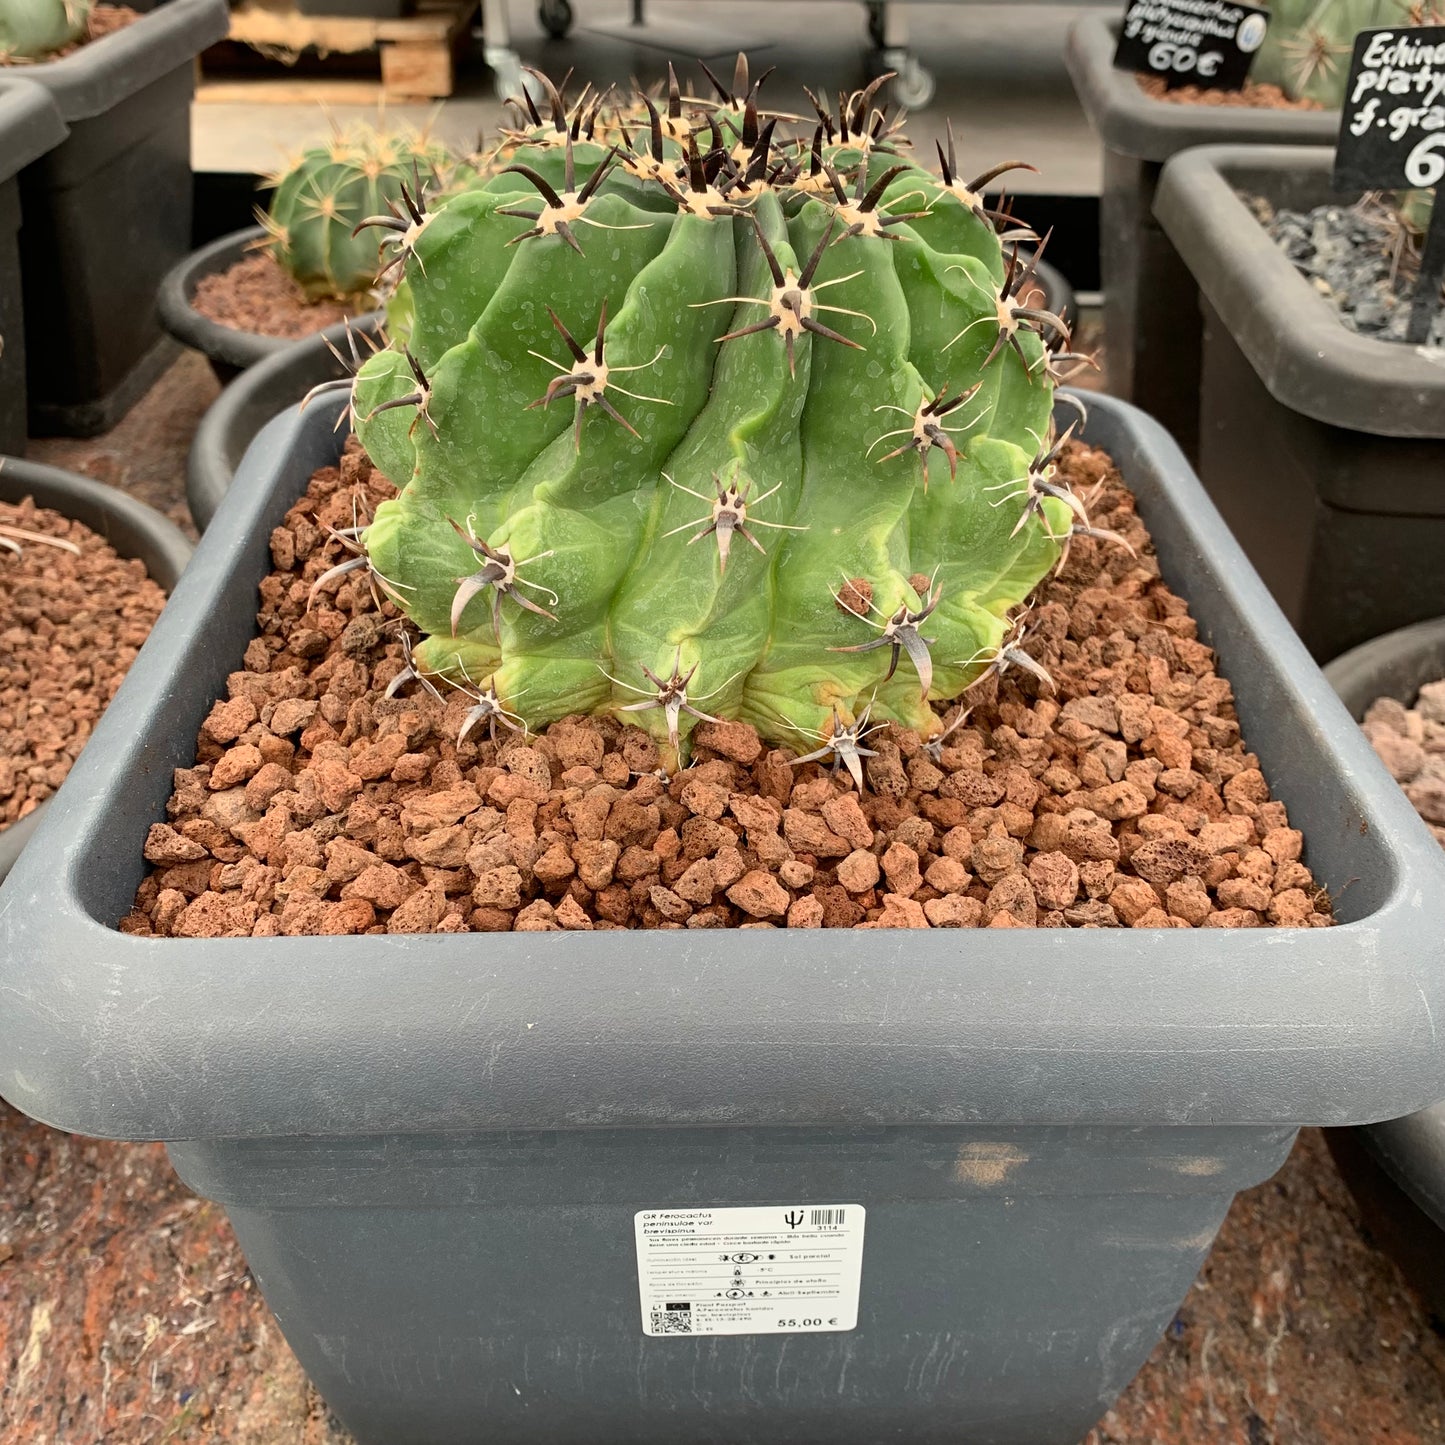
(556,17)
(876,26)
(915,85)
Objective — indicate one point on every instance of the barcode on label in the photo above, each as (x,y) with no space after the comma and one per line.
(827,1216)
(677,1321)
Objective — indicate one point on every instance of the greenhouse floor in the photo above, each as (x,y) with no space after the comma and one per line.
(128,1317)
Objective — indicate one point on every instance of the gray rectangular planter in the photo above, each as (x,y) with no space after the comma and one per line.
(1325,450)
(433,1148)
(30,125)
(1151,313)
(107,215)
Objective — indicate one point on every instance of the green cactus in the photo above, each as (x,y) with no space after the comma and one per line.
(34,29)
(321,199)
(729,428)
(1307,49)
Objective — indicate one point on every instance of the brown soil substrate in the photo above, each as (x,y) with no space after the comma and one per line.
(104,20)
(1411,743)
(1254,95)
(316,805)
(70,627)
(255,294)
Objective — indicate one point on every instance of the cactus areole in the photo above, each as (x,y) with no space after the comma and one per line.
(693,422)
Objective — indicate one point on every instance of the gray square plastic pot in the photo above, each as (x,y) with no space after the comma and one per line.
(1324,450)
(1151,313)
(30,125)
(433,1147)
(108,213)
(131,527)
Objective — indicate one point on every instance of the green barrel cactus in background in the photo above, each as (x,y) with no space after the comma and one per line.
(321,198)
(34,29)
(704,423)
(1307,49)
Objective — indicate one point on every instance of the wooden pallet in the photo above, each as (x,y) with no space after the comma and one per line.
(417,53)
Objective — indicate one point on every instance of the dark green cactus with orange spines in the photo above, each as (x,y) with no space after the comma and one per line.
(681,432)
(324,195)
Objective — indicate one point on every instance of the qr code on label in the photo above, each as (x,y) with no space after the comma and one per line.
(675,1320)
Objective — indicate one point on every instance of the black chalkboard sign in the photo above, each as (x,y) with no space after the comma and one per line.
(1392,136)
(1392,131)
(1208,43)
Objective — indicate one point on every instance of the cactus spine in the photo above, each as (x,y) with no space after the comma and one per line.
(705,424)
(34,29)
(328,191)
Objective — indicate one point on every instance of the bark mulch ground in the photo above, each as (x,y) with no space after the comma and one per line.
(126,1314)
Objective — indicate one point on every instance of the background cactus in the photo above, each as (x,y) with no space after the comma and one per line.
(726,428)
(33,29)
(322,197)
(1309,43)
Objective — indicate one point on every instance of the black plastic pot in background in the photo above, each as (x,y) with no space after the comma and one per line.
(131,527)
(1151,311)
(1396,1170)
(1325,450)
(261,392)
(30,125)
(230,350)
(107,214)
(1045,1133)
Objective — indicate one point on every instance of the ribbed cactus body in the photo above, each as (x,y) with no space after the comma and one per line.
(320,200)
(795,442)
(1307,49)
(33,29)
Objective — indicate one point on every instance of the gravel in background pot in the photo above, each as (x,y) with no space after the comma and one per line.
(1152,332)
(1045,1131)
(131,527)
(271,386)
(1324,449)
(1396,1170)
(107,213)
(229,349)
(30,125)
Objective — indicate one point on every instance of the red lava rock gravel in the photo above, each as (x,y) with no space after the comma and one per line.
(316,805)
(256,294)
(1411,743)
(70,627)
(1253,95)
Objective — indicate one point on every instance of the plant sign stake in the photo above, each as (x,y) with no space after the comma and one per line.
(1185,43)
(1392,135)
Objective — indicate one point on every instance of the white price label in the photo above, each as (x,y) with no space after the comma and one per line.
(759,1270)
